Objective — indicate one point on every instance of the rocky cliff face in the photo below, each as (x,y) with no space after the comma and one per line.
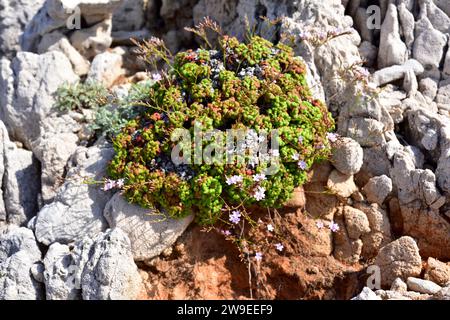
(386,187)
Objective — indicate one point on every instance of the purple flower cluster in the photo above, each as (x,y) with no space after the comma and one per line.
(156,77)
(319,224)
(234,180)
(332,137)
(258,256)
(111,184)
(259,194)
(235,217)
(302,164)
(259,177)
(362,72)
(333,226)
(226,232)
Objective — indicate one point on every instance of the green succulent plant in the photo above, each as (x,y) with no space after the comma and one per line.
(78,96)
(254,85)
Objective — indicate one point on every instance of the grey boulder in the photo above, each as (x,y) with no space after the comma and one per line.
(78,207)
(149,230)
(99,268)
(18,253)
(347,156)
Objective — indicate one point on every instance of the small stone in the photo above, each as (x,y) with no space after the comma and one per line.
(358,196)
(399,259)
(14,17)
(94,40)
(437,271)
(437,17)
(56,41)
(167,252)
(106,68)
(341,184)
(392,49)
(180,249)
(144,275)
(19,252)
(150,231)
(368,52)
(130,15)
(21,184)
(410,84)
(366,294)
(380,229)
(347,156)
(417,155)
(68,219)
(298,199)
(110,273)
(429,47)
(399,285)
(422,286)
(356,222)
(407,24)
(377,189)
(37,271)
(372,168)
(438,203)
(429,87)
(367,132)
(393,73)
(444,294)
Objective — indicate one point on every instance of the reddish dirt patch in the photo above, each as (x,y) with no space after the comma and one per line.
(204,265)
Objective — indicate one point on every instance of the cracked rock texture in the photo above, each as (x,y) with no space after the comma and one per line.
(387,185)
(150,231)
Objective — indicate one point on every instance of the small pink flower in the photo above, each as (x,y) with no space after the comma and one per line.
(322,35)
(304,35)
(259,194)
(120,183)
(226,232)
(363,72)
(332,137)
(234,180)
(156,77)
(259,177)
(235,217)
(334,227)
(109,184)
(302,165)
(279,247)
(258,256)
(319,224)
